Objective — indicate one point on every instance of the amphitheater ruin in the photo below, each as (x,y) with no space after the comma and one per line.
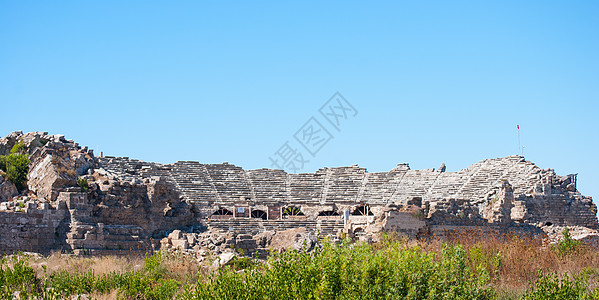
(129,204)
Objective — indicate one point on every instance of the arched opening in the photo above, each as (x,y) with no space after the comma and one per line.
(328,213)
(363,210)
(292,211)
(222,212)
(417,201)
(358,231)
(548,224)
(259,214)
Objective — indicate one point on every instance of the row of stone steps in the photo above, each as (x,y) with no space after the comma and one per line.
(194,182)
(379,187)
(230,181)
(415,183)
(343,184)
(488,173)
(206,184)
(305,188)
(254,226)
(268,185)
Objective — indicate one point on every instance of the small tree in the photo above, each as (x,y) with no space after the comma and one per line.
(17,167)
(567,245)
(18,148)
(82,183)
(3,163)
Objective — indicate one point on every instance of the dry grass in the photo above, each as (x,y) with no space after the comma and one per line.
(98,265)
(521,256)
(182,268)
(175,265)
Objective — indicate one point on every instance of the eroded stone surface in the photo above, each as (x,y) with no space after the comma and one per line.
(208,208)
(7,190)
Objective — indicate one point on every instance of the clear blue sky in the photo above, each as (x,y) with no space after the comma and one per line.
(433,82)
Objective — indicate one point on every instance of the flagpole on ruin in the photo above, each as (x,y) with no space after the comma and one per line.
(519,147)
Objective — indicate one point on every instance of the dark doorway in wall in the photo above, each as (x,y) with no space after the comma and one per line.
(363,210)
(223,212)
(259,214)
(292,211)
(328,213)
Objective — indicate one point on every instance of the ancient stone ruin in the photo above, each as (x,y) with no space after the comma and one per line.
(129,204)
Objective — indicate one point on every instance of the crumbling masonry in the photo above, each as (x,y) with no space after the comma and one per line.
(136,205)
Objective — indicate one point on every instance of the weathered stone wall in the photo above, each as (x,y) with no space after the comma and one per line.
(55,163)
(127,203)
(31,229)
(465,197)
(117,210)
(153,203)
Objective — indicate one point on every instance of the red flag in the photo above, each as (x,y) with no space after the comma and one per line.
(518,127)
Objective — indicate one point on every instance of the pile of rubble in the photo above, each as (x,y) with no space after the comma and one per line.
(81,203)
(215,243)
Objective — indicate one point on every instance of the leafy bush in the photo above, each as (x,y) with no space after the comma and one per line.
(351,271)
(241,262)
(17,275)
(17,167)
(488,261)
(3,163)
(567,245)
(82,183)
(18,148)
(551,286)
(388,270)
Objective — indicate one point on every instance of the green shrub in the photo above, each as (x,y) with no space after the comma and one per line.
(82,183)
(351,271)
(153,266)
(3,162)
(17,275)
(389,270)
(17,167)
(18,148)
(489,261)
(68,284)
(551,286)
(241,262)
(567,245)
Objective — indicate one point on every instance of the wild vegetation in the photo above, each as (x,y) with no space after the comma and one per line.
(82,183)
(16,166)
(465,267)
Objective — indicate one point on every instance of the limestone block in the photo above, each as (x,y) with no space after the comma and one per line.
(175,235)
(74,235)
(7,191)
(191,240)
(180,244)
(90,236)
(224,258)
